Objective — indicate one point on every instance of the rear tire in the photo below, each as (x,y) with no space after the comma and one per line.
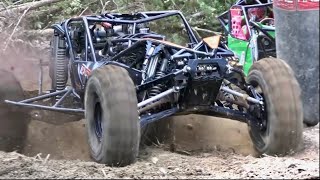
(284,111)
(13,120)
(112,117)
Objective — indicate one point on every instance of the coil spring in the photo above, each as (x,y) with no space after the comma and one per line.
(158,88)
(60,72)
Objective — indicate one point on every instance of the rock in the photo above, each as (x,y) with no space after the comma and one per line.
(163,170)
(170,167)
(292,166)
(154,160)
(199,170)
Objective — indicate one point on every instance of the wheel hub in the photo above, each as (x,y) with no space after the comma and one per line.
(98,119)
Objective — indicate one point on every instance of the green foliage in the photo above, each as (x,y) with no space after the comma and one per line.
(48,15)
(199,13)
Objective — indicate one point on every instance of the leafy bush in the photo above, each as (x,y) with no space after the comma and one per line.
(199,13)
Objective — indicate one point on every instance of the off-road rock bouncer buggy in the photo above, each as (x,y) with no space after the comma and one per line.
(124,75)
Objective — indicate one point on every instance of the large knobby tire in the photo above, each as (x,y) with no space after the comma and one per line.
(111,114)
(13,120)
(284,111)
(310,122)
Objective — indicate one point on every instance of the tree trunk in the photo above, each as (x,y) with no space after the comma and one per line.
(25,6)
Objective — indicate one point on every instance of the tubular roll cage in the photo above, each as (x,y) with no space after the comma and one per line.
(116,18)
(142,17)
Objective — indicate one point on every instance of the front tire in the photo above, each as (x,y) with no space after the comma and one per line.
(111,116)
(283,116)
(311,122)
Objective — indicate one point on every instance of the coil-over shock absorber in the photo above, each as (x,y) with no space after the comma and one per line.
(58,65)
(157,89)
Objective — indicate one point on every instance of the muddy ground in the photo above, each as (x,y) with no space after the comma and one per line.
(205,147)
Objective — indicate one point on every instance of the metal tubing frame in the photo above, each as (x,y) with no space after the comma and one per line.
(107,18)
(116,19)
(148,16)
(263,31)
(147,119)
(244,8)
(152,105)
(218,51)
(217,111)
(62,98)
(154,16)
(149,84)
(157,97)
(248,98)
(51,108)
(29,102)
(45,96)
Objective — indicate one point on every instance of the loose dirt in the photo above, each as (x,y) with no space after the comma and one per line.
(158,163)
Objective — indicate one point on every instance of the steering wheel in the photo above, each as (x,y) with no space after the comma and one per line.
(267,21)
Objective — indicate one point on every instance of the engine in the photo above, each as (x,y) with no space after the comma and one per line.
(102,35)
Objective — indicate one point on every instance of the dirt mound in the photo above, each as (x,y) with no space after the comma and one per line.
(66,141)
(62,141)
(13,121)
(203,133)
(156,163)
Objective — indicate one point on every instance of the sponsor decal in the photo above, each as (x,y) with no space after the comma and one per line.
(297,5)
(308,5)
(84,70)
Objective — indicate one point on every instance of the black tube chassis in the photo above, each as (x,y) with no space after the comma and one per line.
(198,74)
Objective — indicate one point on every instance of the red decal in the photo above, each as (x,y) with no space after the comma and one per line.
(85,70)
(308,5)
(300,5)
(285,4)
(106,25)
